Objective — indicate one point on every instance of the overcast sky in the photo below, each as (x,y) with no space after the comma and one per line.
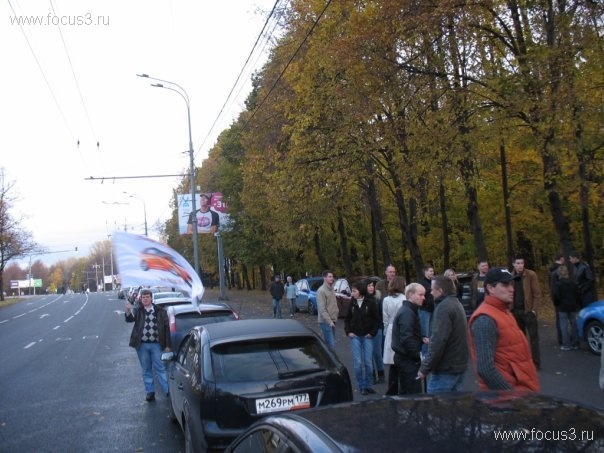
(72,83)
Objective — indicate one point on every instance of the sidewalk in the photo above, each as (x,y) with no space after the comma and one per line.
(571,375)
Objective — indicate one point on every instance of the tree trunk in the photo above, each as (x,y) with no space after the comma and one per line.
(344,243)
(319,251)
(506,201)
(445,228)
(376,215)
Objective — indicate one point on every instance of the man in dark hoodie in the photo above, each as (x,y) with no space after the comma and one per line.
(449,349)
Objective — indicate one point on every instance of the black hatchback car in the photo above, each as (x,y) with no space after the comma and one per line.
(481,422)
(227,375)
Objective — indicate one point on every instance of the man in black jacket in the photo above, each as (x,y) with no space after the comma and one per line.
(150,336)
(277,291)
(449,349)
(584,278)
(407,340)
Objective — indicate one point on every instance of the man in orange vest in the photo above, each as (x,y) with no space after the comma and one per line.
(500,350)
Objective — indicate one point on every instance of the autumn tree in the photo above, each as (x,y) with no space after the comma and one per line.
(15,241)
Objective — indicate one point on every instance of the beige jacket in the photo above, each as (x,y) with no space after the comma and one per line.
(327,305)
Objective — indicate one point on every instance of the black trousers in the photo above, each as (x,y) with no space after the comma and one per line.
(528,324)
(392,382)
(408,384)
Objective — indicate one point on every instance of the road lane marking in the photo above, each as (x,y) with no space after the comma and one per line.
(68,319)
(18,316)
(44,315)
(30,345)
(56,327)
(3,321)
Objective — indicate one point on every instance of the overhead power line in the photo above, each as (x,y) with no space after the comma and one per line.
(52,93)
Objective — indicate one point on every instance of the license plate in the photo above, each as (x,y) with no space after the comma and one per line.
(282,403)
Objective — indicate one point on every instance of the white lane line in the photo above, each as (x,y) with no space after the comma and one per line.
(68,319)
(18,316)
(30,345)
(44,315)
(3,321)
(56,327)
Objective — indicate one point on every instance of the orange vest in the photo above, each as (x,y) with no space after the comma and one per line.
(512,353)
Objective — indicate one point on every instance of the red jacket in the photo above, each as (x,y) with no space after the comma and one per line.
(512,353)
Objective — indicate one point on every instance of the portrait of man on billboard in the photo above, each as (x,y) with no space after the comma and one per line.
(207,219)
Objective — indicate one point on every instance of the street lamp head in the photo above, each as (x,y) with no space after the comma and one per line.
(143,75)
(157,85)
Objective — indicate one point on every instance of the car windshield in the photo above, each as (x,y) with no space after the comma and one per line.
(268,359)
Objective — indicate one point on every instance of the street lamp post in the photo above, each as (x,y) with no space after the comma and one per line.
(182,92)
(138,197)
(111,258)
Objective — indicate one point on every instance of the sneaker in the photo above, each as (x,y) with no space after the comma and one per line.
(150,396)
(370,391)
(564,348)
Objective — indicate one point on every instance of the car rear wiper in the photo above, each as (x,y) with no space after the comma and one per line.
(288,374)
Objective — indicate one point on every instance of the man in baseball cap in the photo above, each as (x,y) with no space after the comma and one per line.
(500,350)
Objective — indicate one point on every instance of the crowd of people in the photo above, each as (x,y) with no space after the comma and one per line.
(420,333)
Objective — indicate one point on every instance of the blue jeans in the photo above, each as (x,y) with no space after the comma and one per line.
(362,352)
(149,355)
(444,383)
(378,359)
(277,308)
(425,318)
(329,334)
(292,306)
(568,328)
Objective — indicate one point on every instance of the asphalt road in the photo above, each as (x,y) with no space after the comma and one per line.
(71,383)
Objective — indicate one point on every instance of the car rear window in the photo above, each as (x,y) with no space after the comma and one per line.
(273,359)
(185,321)
(316,285)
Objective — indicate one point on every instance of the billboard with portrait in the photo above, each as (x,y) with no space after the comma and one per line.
(211,213)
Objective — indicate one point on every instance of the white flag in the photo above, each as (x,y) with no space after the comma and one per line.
(144,262)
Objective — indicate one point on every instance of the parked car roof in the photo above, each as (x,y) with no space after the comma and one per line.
(256,328)
(490,421)
(167,294)
(183,317)
(167,301)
